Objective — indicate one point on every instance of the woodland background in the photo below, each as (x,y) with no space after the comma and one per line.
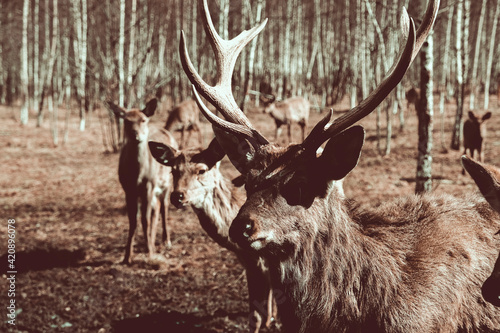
(79,53)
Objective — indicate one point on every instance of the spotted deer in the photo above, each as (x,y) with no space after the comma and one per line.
(146,183)
(199,183)
(487,178)
(287,112)
(474,131)
(183,118)
(412,265)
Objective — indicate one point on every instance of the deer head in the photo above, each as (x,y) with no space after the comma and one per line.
(194,171)
(285,185)
(136,121)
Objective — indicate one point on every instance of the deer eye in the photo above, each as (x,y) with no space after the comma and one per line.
(201,171)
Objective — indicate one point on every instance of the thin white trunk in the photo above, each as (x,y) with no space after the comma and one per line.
(131,49)
(491,52)
(121,56)
(24,116)
(474,90)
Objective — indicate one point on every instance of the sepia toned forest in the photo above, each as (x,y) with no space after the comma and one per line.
(85,51)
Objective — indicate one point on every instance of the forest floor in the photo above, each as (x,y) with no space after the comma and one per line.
(71,229)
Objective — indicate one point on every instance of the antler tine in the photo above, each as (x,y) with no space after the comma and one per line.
(392,79)
(226,54)
(254,137)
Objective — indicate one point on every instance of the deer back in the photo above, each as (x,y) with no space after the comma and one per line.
(182,115)
(294,109)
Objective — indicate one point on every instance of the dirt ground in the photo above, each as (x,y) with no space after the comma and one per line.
(71,230)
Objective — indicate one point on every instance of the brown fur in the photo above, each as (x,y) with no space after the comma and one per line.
(414,265)
(143,180)
(199,183)
(487,178)
(185,117)
(474,134)
(287,112)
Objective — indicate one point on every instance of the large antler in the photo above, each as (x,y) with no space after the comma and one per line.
(226,53)
(322,131)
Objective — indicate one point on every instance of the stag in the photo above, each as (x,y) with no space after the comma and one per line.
(184,117)
(146,183)
(474,134)
(487,178)
(287,112)
(199,183)
(413,265)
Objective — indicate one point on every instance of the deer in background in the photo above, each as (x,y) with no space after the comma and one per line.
(474,131)
(199,183)
(412,97)
(286,112)
(146,183)
(184,117)
(413,265)
(487,178)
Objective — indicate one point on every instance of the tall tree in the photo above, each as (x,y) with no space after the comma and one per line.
(491,52)
(24,66)
(459,94)
(473,80)
(425,113)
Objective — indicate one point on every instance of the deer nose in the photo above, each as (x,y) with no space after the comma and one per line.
(177,199)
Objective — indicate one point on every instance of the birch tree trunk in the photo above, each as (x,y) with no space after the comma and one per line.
(491,52)
(131,49)
(425,113)
(36,60)
(80,50)
(473,81)
(445,73)
(24,116)
(457,128)
(251,56)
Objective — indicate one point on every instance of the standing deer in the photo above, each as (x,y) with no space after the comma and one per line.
(199,183)
(143,180)
(487,179)
(412,97)
(413,265)
(184,117)
(474,134)
(287,112)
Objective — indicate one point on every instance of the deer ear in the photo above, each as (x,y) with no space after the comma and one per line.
(150,108)
(239,150)
(163,153)
(341,153)
(485,179)
(472,115)
(118,111)
(486,116)
(210,156)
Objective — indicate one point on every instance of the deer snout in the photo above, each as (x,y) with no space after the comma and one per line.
(245,231)
(491,290)
(178,199)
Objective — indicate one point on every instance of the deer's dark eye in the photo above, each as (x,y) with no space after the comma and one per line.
(201,171)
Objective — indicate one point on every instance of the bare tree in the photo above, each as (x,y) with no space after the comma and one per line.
(425,112)
(24,66)
(457,128)
(490,56)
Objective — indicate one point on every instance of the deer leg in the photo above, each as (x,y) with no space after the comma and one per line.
(259,289)
(165,223)
(156,204)
(181,145)
(132,203)
(289,129)
(278,132)
(146,207)
(303,128)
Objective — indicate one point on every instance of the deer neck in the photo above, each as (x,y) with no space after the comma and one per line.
(135,161)
(335,265)
(218,208)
